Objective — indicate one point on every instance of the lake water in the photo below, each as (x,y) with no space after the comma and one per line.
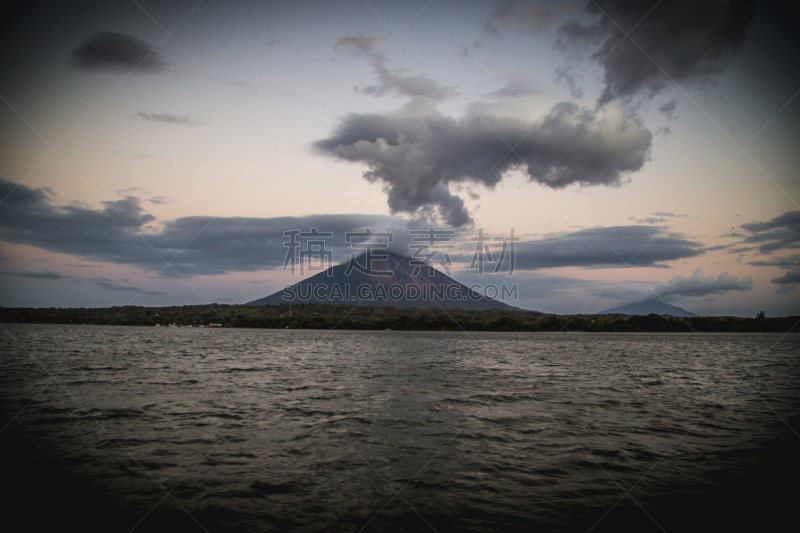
(179,429)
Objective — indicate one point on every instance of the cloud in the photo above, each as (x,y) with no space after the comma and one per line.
(788,280)
(698,285)
(515,85)
(688,41)
(358,46)
(418,153)
(695,286)
(788,263)
(167,118)
(574,37)
(212,245)
(669,108)
(643,246)
(47,274)
(127,191)
(527,17)
(407,86)
(160,200)
(101,282)
(477,44)
(28,218)
(117,51)
(658,217)
(536,289)
(246,244)
(565,76)
(782,232)
(107,284)
(390,82)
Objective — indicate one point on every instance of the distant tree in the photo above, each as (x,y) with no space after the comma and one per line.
(761,315)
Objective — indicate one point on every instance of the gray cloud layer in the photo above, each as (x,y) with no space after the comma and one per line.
(104,283)
(788,280)
(696,285)
(234,244)
(117,51)
(690,40)
(699,285)
(780,233)
(646,246)
(788,263)
(417,155)
(240,244)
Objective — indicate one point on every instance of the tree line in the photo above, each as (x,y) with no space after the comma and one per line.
(332,316)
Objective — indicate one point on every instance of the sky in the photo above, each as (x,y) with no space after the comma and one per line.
(158,153)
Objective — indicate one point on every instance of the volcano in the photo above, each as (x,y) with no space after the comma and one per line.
(383,279)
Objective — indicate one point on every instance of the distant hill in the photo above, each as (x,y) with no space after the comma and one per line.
(396,287)
(648,307)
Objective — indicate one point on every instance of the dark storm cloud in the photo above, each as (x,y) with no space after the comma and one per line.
(418,154)
(117,51)
(234,244)
(390,82)
(688,41)
(166,118)
(782,232)
(644,246)
(696,285)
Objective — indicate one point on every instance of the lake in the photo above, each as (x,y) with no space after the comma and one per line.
(165,429)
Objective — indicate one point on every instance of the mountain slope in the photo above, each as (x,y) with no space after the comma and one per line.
(397,287)
(648,307)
